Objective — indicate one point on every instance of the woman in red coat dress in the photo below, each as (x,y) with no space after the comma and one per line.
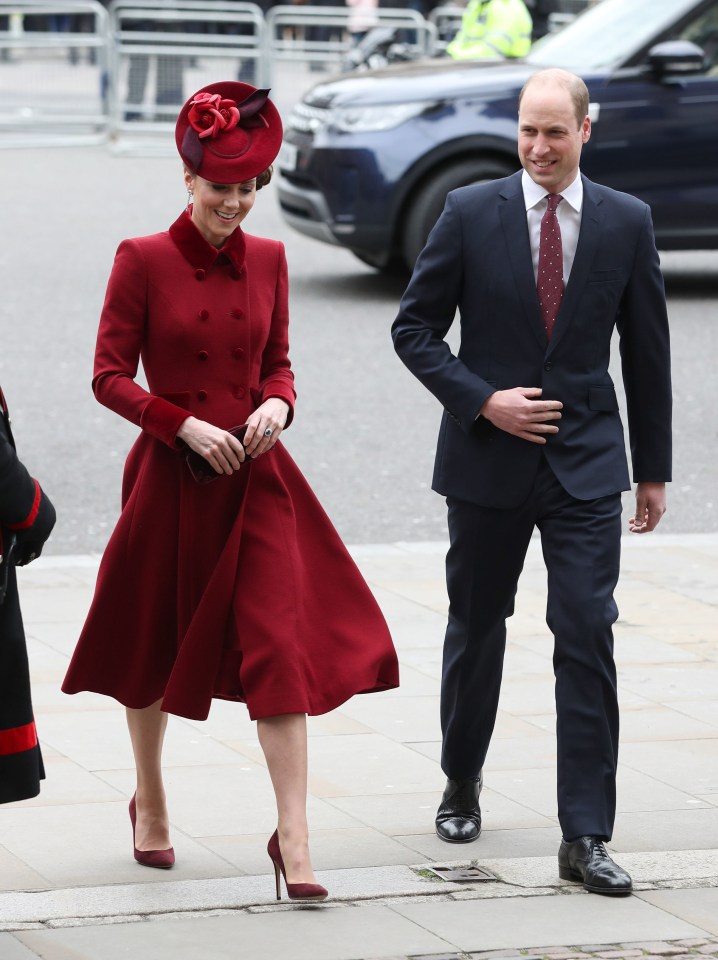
(240,588)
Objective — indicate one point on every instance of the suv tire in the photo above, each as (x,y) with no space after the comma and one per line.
(424,211)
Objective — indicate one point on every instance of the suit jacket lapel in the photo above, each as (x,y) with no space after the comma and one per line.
(512,211)
(588,237)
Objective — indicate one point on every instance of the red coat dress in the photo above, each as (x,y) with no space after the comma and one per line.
(239,589)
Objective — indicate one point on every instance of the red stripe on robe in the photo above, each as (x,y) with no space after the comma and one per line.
(18,739)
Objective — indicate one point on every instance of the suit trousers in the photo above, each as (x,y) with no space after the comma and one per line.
(580,540)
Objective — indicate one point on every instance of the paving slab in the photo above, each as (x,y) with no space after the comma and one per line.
(497,924)
(12,949)
(309,933)
(699,907)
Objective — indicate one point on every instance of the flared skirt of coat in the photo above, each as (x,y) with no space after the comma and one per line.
(239,589)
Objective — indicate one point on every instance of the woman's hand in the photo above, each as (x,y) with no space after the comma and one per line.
(271,416)
(220,449)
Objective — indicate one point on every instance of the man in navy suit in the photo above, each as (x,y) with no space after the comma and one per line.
(541,265)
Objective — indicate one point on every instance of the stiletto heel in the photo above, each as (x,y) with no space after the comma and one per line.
(277,881)
(295,891)
(162,859)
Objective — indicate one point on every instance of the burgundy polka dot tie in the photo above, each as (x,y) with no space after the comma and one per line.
(550,265)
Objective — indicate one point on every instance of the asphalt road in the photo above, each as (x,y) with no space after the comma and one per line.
(364,432)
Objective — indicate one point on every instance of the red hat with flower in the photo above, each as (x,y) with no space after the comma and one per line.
(228,132)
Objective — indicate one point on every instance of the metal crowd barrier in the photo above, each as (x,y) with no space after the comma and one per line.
(447,20)
(320,35)
(38,42)
(75,72)
(162,50)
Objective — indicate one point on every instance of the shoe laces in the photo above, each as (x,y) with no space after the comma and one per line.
(597,849)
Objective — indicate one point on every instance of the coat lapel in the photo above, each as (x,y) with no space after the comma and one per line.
(588,237)
(512,211)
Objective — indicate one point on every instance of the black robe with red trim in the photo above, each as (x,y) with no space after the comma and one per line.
(26,513)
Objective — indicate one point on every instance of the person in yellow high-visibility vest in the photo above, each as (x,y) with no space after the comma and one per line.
(492,28)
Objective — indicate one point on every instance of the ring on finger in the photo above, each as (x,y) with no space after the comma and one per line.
(268,432)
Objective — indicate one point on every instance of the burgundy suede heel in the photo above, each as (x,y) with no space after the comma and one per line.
(162,859)
(295,891)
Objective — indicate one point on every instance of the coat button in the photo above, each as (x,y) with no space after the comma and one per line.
(238,353)
(199,274)
(203,315)
(548,365)
(201,394)
(239,392)
(202,355)
(237,313)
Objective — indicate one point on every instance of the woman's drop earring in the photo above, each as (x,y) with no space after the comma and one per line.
(190,197)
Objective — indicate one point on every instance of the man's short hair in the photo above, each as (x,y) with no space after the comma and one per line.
(576,88)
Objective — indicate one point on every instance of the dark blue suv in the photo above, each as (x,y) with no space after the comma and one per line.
(368,159)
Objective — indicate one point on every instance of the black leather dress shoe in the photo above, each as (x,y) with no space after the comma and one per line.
(586,861)
(458,819)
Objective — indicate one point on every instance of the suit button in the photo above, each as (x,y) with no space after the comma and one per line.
(202,355)
(199,274)
(237,313)
(201,394)
(203,315)
(238,353)
(548,365)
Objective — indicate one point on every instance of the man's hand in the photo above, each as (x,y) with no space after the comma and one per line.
(515,412)
(650,507)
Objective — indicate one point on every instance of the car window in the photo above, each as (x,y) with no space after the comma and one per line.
(607,34)
(703,31)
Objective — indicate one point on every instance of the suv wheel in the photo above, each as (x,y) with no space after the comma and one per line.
(424,211)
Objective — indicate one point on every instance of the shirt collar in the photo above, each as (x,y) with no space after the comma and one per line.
(201,254)
(533,193)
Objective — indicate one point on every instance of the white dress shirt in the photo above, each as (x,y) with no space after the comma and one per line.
(569,219)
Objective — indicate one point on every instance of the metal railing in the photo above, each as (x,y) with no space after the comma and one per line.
(74,71)
(34,39)
(292,33)
(163,50)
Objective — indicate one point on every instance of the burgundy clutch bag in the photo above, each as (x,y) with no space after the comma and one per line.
(201,470)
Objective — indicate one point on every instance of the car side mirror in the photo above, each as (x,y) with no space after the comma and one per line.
(676,57)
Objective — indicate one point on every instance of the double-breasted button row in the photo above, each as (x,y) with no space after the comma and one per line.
(238,392)
(237,353)
(201,274)
(237,313)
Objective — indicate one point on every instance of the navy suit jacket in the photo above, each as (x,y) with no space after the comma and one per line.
(478,259)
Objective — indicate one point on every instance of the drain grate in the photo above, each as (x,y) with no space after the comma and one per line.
(463,874)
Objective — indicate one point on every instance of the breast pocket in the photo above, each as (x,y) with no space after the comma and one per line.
(606,276)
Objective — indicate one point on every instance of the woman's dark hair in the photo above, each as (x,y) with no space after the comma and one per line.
(264,177)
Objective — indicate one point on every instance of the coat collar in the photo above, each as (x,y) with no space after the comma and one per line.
(198,252)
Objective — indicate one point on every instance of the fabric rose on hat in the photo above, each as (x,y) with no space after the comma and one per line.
(210,115)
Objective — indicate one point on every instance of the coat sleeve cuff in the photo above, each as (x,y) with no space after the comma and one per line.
(162,420)
(282,392)
(34,510)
